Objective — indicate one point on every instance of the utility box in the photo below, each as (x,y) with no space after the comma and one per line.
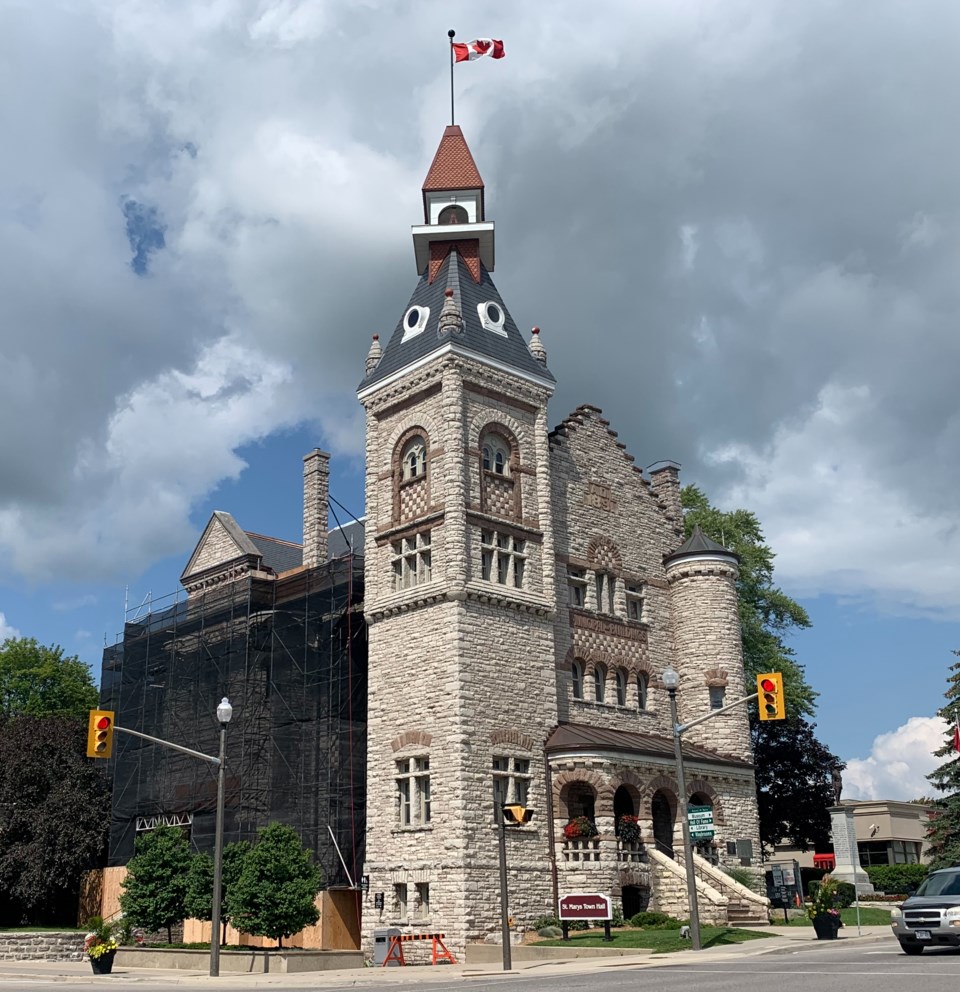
(381,945)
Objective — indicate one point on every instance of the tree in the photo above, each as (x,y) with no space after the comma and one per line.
(277,888)
(767,616)
(943,832)
(155,887)
(199,898)
(54,817)
(40,681)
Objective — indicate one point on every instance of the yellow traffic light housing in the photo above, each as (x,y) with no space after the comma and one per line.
(100,734)
(771,704)
(517,814)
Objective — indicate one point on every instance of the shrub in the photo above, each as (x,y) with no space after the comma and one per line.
(742,875)
(549,932)
(897,878)
(813,887)
(579,924)
(846,894)
(546,921)
(616,919)
(655,921)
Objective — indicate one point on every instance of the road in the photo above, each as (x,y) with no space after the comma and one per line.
(870,967)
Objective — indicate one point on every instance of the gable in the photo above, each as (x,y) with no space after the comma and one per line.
(222,541)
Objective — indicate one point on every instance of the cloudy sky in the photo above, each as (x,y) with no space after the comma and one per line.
(737,223)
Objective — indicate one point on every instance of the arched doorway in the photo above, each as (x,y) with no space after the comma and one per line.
(635,900)
(661,812)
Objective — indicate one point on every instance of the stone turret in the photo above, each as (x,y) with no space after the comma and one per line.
(706,637)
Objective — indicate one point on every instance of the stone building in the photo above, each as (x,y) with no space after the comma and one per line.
(525,589)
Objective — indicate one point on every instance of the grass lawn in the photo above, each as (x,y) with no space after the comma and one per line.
(662,941)
(869,917)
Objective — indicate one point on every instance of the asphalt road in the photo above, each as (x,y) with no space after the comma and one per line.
(868,967)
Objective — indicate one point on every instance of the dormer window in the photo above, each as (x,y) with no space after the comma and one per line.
(454,214)
(414,459)
(492,317)
(414,321)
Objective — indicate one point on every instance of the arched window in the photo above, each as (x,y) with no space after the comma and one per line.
(621,688)
(453,214)
(576,676)
(599,677)
(414,459)
(642,683)
(496,456)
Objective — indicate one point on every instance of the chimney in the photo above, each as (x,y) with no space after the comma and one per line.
(665,482)
(316,495)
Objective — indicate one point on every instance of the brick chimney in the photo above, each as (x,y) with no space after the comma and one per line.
(316,506)
(665,482)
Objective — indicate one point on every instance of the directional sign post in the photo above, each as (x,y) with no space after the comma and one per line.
(700,819)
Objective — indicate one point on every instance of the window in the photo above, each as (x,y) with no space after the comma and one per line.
(634,601)
(400,898)
(453,215)
(605,583)
(577,586)
(502,558)
(414,459)
(496,456)
(412,561)
(621,688)
(423,899)
(492,317)
(511,780)
(413,791)
(717,692)
(414,321)
(576,677)
(599,677)
(642,684)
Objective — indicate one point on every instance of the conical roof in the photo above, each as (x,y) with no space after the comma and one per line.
(698,545)
(502,348)
(453,166)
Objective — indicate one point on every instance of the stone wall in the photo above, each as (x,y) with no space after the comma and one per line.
(47,946)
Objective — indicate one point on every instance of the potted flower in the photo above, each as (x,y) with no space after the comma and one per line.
(823,910)
(100,946)
(628,829)
(580,826)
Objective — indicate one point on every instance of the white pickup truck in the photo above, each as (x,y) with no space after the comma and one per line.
(931,916)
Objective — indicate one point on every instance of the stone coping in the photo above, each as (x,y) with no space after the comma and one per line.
(493,953)
(250,961)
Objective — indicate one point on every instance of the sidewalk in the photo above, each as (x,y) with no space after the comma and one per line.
(783,940)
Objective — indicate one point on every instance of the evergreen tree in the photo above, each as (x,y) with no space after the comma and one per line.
(199,897)
(943,832)
(794,770)
(155,887)
(276,891)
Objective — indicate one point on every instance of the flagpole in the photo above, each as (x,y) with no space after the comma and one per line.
(450,35)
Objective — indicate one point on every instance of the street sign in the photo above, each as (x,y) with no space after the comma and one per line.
(585,906)
(778,878)
(700,819)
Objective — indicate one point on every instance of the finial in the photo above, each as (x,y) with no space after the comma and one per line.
(450,320)
(451,33)
(448,291)
(536,347)
(373,355)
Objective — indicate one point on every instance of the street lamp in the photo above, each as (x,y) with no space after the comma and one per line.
(224,713)
(671,680)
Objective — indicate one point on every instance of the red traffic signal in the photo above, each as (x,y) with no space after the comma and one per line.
(772,705)
(100,734)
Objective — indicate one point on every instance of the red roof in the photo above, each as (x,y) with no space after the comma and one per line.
(453,166)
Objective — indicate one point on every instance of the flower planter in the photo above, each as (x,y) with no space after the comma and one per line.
(103,964)
(826,926)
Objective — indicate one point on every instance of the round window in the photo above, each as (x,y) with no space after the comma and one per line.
(413,317)
(494,314)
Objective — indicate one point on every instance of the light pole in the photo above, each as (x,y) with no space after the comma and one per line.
(504,905)
(671,680)
(224,713)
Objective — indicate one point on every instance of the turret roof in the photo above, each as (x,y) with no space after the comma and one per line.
(453,166)
(698,545)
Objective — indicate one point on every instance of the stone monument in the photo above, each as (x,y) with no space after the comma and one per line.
(848,867)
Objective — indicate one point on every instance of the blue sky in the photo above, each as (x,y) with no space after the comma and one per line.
(738,232)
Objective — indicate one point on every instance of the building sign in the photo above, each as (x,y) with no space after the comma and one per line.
(585,906)
(600,497)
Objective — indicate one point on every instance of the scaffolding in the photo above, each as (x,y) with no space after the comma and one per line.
(291,655)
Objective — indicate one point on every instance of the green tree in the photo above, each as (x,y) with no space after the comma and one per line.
(767,616)
(54,816)
(943,832)
(155,887)
(277,888)
(40,681)
(199,898)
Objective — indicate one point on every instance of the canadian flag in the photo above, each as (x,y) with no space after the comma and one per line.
(467,52)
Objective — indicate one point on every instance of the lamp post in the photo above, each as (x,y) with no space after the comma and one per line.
(224,713)
(671,680)
(504,905)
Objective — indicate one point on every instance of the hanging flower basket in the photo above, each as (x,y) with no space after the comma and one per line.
(628,829)
(580,826)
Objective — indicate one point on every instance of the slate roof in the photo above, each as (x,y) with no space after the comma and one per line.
(346,539)
(575,736)
(280,556)
(699,544)
(453,166)
(511,351)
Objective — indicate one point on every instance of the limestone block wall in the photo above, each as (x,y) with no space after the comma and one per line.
(44,946)
(670,893)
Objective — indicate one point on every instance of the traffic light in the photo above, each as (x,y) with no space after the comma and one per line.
(100,734)
(770,696)
(517,814)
